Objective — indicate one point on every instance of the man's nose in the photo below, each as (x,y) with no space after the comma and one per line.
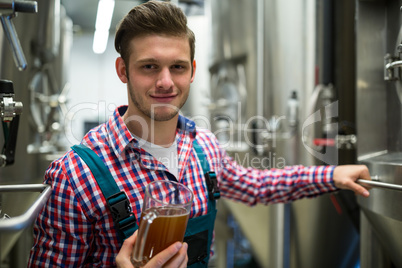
(165,80)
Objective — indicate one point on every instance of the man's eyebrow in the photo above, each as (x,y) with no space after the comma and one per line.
(181,62)
(146,60)
(153,60)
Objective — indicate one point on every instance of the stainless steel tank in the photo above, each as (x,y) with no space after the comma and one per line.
(45,39)
(276,101)
(379,88)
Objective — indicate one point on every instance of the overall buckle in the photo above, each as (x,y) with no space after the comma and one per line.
(120,207)
(212,184)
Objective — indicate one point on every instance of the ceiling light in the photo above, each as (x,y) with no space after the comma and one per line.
(102,25)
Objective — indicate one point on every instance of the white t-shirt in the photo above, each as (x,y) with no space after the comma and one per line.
(167,156)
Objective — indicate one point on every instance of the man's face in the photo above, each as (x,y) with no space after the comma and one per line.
(159,75)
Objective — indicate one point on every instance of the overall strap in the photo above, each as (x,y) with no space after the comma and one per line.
(210,176)
(199,232)
(117,201)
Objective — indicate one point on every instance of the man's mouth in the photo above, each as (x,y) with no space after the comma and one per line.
(164,98)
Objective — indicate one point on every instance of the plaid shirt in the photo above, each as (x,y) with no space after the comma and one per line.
(75,228)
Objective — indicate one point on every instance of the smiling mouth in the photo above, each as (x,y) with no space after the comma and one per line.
(163,98)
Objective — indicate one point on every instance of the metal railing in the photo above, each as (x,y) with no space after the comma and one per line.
(20,222)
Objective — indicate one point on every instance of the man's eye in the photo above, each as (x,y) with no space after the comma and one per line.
(179,67)
(149,66)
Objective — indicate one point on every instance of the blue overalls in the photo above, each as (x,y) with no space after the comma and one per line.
(199,230)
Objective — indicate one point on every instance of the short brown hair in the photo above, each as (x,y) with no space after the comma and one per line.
(152,17)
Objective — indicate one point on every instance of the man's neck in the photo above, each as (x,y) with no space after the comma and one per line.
(161,133)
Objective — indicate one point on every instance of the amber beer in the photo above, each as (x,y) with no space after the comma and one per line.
(168,228)
(164,218)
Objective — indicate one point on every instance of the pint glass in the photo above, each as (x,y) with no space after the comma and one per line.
(164,217)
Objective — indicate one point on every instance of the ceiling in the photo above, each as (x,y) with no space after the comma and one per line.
(83,12)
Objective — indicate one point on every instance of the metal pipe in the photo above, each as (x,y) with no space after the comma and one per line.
(19,223)
(11,34)
(260,58)
(394,64)
(378,184)
(7,12)
(26,6)
(6,7)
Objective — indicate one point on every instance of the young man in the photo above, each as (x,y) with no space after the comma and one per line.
(148,140)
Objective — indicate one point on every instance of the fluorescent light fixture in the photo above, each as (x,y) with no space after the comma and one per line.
(102,25)
(100,41)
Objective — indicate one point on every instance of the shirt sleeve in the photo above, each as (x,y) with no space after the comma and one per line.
(62,232)
(269,186)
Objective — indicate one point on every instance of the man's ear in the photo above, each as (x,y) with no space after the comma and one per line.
(193,72)
(121,70)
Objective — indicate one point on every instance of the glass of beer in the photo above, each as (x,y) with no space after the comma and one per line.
(164,217)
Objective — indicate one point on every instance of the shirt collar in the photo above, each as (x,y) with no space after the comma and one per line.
(186,124)
(122,138)
(119,135)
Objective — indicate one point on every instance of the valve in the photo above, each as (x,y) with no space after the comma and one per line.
(10,111)
(9,108)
